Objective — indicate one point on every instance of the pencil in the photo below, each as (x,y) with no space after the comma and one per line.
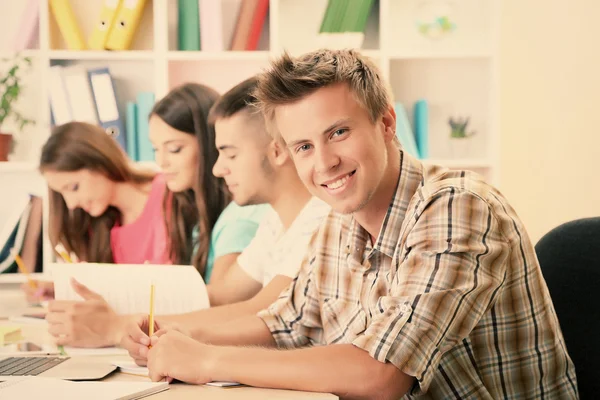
(22,268)
(151,315)
(60,249)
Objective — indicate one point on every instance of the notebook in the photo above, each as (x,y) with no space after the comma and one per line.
(10,334)
(178,288)
(34,387)
(129,367)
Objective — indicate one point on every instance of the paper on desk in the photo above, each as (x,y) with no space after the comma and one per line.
(36,387)
(130,367)
(126,287)
(102,351)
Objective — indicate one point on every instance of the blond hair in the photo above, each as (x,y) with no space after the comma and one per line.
(290,79)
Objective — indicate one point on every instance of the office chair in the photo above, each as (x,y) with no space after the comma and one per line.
(569,257)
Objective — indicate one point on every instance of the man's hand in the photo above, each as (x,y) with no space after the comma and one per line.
(42,291)
(174,355)
(136,340)
(87,323)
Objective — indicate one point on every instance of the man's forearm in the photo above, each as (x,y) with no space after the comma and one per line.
(205,325)
(344,370)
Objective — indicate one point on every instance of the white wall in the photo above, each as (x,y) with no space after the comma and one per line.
(550,110)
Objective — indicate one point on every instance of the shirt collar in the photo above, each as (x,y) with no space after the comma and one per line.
(409,180)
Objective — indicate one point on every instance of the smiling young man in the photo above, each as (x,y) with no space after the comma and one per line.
(257,170)
(422,281)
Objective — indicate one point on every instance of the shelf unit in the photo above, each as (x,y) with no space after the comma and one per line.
(458,74)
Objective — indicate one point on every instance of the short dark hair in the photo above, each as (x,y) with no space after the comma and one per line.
(239,98)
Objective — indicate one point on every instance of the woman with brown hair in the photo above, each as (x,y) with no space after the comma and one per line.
(102,209)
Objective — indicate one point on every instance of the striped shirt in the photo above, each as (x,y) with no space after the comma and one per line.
(451,293)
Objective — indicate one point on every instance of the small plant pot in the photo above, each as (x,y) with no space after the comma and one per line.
(5,145)
(460,148)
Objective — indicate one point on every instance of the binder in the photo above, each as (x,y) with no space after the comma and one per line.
(188,25)
(421,122)
(126,23)
(131,122)
(59,99)
(79,92)
(65,18)
(145,103)
(105,24)
(211,25)
(29,27)
(103,91)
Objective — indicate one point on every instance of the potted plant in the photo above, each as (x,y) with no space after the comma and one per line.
(11,87)
(459,143)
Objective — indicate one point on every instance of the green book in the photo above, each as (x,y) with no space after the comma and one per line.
(188,25)
(351,15)
(327,17)
(367,6)
(338,15)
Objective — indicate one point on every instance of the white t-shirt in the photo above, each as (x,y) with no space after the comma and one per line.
(274,251)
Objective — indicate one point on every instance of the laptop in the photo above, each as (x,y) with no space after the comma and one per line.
(61,367)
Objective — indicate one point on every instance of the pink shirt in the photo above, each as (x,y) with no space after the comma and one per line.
(145,239)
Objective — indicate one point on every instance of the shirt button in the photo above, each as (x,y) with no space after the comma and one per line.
(371,275)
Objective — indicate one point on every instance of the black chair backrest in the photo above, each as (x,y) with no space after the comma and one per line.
(569,256)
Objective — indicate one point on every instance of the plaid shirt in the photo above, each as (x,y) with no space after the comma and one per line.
(451,293)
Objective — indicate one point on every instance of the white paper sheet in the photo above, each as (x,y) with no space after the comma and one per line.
(35,387)
(130,367)
(126,287)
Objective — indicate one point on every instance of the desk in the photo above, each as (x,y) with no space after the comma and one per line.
(38,334)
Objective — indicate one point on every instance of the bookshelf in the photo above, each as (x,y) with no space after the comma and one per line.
(457,74)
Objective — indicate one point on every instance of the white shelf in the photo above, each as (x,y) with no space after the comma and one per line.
(130,55)
(218,56)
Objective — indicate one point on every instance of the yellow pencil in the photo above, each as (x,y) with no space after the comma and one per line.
(63,253)
(151,315)
(22,268)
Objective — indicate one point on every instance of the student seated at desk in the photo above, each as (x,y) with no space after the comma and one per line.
(257,169)
(206,225)
(421,283)
(195,200)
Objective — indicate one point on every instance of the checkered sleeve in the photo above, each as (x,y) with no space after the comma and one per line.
(294,318)
(448,272)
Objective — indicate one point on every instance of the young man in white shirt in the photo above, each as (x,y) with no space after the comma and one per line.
(257,169)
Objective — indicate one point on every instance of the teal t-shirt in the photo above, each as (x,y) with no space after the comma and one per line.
(233,231)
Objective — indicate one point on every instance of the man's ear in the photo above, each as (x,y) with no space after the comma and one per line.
(389,123)
(278,152)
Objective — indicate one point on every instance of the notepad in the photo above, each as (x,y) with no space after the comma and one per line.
(10,334)
(130,367)
(178,288)
(35,387)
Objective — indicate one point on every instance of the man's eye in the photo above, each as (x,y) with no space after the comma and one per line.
(304,147)
(339,132)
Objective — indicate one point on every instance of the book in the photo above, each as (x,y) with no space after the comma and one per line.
(188,25)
